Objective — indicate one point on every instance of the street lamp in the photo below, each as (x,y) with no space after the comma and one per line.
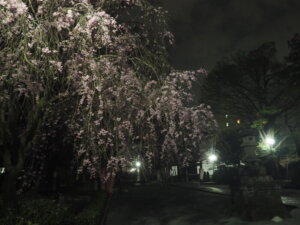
(2,170)
(212,158)
(138,165)
(269,142)
(132,170)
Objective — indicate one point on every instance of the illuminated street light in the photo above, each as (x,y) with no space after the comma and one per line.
(212,158)
(138,164)
(2,170)
(269,141)
(132,170)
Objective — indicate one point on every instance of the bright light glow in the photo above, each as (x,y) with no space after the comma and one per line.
(138,164)
(2,170)
(238,121)
(212,157)
(132,170)
(269,141)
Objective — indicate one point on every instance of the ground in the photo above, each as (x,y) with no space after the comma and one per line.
(168,205)
(154,204)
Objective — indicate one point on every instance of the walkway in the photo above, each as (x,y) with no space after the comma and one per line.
(164,205)
(167,205)
(289,197)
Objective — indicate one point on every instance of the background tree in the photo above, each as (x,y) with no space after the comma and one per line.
(291,117)
(254,85)
(54,56)
(229,146)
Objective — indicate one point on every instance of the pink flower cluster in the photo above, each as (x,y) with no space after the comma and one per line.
(11,10)
(101,83)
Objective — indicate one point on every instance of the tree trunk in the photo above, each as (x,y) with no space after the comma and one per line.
(110,184)
(54,183)
(96,186)
(186,175)
(9,184)
(145,176)
(107,180)
(158,176)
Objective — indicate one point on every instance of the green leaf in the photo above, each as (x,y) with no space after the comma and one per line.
(259,124)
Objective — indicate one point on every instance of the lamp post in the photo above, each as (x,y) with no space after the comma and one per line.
(138,165)
(269,142)
(212,158)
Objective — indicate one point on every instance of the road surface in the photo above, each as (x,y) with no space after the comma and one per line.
(156,205)
(290,197)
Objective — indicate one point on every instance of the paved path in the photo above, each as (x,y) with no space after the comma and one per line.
(289,197)
(167,205)
(156,205)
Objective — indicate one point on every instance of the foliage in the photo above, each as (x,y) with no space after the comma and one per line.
(45,211)
(229,146)
(225,175)
(293,69)
(254,86)
(76,74)
(259,90)
(259,124)
(264,146)
(36,212)
(293,56)
(91,213)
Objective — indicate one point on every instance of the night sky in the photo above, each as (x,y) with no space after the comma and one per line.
(208,30)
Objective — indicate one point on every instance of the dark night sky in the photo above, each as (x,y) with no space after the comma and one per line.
(207,30)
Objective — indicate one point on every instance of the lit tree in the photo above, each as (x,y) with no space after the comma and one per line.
(75,77)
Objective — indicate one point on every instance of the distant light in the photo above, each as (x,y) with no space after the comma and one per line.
(212,157)
(138,164)
(238,121)
(269,141)
(226,116)
(227,124)
(132,170)
(2,170)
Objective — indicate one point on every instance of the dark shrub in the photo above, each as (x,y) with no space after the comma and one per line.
(225,175)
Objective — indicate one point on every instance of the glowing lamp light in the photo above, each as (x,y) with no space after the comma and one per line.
(269,141)
(132,170)
(212,157)
(138,164)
